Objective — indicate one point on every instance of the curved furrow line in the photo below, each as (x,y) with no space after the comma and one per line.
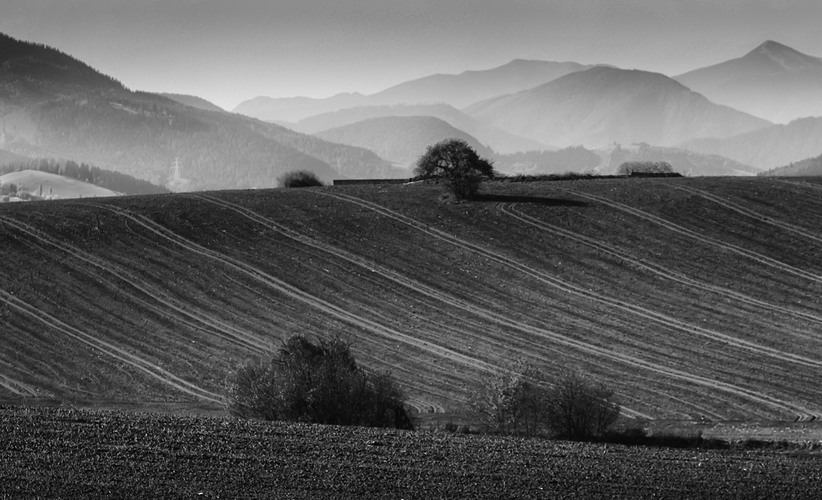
(375,268)
(393,276)
(16,387)
(800,183)
(747,212)
(762,259)
(194,319)
(653,268)
(573,289)
(296,293)
(115,352)
(762,398)
(390,274)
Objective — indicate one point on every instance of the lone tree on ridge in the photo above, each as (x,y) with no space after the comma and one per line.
(458,164)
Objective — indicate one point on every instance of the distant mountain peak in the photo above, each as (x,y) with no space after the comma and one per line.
(786,57)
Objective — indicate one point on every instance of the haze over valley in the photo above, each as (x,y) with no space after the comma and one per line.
(749,114)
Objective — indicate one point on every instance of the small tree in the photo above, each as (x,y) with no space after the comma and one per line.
(299,178)
(317,383)
(512,401)
(457,163)
(579,409)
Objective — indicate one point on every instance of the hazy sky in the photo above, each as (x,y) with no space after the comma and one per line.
(231,50)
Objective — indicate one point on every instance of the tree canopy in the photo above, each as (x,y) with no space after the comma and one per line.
(454,161)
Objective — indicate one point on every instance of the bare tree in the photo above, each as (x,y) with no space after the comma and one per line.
(580,409)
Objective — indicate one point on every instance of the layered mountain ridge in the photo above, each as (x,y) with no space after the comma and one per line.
(773,81)
(55,106)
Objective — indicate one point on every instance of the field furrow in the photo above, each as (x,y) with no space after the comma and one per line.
(653,268)
(685,306)
(750,213)
(162,305)
(109,349)
(799,411)
(295,293)
(763,259)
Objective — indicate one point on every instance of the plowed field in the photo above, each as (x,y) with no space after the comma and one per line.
(693,298)
(78,454)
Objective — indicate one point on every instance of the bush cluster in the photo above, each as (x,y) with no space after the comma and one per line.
(299,178)
(521,401)
(317,382)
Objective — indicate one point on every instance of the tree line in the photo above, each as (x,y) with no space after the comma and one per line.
(115,181)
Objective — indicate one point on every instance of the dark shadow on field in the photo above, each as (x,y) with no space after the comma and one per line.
(536,200)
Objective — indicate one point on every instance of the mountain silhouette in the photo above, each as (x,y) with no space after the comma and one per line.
(772,81)
(455,90)
(58,107)
(604,105)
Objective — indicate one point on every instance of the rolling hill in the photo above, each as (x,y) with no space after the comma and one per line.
(692,298)
(810,167)
(769,147)
(602,106)
(456,90)
(56,106)
(773,81)
(53,186)
(193,101)
(495,138)
(399,139)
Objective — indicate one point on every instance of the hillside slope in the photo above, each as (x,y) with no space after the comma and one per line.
(56,106)
(809,167)
(602,106)
(769,147)
(54,186)
(693,298)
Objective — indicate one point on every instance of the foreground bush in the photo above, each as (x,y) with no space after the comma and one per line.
(577,408)
(300,178)
(518,400)
(512,401)
(317,383)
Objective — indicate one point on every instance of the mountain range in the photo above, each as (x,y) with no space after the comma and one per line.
(52,105)
(456,90)
(773,81)
(603,105)
(56,106)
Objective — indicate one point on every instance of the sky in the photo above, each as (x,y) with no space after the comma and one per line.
(228,51)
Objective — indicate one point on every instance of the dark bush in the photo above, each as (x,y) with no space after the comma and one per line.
(317,383)
(520,401)
(512,401)
(299,178)
(580,409)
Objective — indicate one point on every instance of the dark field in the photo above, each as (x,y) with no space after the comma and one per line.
(693,298)
(70,453)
